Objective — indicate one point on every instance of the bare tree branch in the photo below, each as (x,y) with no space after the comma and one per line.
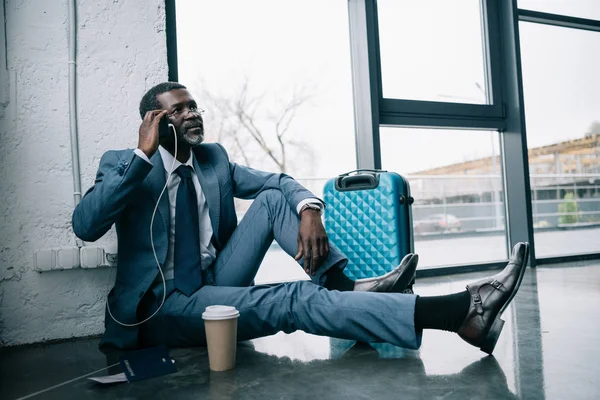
(289,112)
(236,138)
(244,120)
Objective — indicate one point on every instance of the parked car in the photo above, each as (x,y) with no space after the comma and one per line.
(437,223)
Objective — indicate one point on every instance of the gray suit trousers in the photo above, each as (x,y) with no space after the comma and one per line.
(266,310)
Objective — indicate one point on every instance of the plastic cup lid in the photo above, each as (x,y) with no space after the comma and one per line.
(220,312)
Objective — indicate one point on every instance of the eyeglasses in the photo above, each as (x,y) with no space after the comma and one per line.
(179,111)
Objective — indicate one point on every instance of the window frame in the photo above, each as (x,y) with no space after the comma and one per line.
(407,112)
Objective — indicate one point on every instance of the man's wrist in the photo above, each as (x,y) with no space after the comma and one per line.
(140,153)
(316,203)
(310,207)
(147,153)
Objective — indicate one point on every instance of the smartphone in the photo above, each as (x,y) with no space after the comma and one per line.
(164,128)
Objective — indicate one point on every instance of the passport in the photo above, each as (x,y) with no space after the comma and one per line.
(147,363)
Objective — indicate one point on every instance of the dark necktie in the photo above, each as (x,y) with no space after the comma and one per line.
(187,257)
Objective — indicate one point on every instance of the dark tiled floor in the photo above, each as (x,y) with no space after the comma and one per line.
(548,350)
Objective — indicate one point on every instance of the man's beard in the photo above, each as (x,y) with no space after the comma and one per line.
(193,139)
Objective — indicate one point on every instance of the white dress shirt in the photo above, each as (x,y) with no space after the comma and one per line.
(207,250)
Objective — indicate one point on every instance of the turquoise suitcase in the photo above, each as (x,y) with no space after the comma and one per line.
(368,217)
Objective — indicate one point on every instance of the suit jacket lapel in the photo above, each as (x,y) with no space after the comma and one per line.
(156,179)
(210,187)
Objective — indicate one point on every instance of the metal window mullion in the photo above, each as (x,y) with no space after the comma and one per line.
(513,140)
(559,20)
(515,169)
(440,109)
(400,106)
(365,82)
(171,37)
(448,122)
(439,114)
(493,54)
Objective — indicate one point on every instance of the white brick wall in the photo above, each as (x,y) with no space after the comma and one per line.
(121,53)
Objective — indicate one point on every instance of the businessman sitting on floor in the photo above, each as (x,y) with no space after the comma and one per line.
(207,258)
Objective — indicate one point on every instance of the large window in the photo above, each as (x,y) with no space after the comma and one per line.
(560,69)
(275,79)
(429,85)
(432,50)
(456,181)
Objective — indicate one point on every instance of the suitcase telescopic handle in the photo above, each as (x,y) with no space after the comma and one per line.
(377,171)
(360,181)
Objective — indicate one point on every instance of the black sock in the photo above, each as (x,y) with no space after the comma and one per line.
(442,312)
(337,280)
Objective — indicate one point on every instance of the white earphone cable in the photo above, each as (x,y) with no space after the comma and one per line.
(152,242)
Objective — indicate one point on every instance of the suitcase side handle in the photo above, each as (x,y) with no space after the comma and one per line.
(345,183)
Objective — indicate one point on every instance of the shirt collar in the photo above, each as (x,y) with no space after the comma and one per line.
(167,159)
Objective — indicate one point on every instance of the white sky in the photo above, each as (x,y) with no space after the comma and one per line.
(429,55)
(431,49)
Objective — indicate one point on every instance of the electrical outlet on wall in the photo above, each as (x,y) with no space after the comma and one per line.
(67,257)
(92,257)
(61,258)
(58,258)
(44,260)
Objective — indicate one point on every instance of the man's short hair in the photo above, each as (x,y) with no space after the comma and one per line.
(149,101)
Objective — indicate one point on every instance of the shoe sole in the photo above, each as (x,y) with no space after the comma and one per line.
(489,343)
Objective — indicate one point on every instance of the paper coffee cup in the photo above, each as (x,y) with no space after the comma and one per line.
(220,325)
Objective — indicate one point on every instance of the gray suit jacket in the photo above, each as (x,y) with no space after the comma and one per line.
(125,193)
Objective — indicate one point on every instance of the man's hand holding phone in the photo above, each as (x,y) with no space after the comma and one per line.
(149,131)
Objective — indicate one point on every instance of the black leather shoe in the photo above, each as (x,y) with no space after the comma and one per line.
(489,299)
(395,281)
